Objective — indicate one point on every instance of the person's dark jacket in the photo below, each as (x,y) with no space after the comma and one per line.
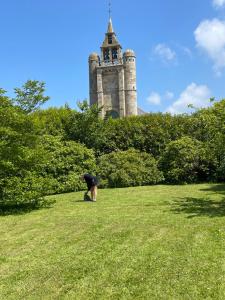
(90,181)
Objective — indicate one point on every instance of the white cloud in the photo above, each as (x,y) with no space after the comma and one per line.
(169,95)
(210,37)
(187,52)
(154,98)
(164,53)
(218,3)
(197,95)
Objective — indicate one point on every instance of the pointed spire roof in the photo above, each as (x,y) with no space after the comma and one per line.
(110,26)
(110,33)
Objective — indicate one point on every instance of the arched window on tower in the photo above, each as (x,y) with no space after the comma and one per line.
(111,114)
(106,55)
(114,54)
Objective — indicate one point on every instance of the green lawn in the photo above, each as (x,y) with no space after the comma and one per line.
(159,242)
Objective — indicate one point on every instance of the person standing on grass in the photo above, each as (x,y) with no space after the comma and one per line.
(92,183)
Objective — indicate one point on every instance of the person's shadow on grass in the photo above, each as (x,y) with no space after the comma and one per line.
(86,198)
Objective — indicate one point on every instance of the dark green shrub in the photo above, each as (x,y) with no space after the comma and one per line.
(67,161)
(184,161)
(128,168)
(220,170)
(21,191)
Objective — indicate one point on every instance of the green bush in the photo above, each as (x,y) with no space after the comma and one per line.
(67,161)
(21,191)
(128,168)
(184,161)
(220,170)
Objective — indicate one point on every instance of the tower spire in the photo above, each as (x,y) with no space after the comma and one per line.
(110,26)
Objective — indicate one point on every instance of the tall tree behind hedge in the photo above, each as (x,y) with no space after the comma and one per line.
(20,157)
(31,96)
(53,121)
(86,127)
(149,133)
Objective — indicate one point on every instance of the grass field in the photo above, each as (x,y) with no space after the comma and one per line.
(159,242)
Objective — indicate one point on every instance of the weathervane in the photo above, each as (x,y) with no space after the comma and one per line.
(110,8)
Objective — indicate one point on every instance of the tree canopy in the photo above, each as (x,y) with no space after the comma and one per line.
(44,151)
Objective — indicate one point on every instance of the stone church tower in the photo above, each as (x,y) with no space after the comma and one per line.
(112,78)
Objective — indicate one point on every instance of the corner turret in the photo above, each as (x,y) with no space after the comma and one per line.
(129,60)
(93,61)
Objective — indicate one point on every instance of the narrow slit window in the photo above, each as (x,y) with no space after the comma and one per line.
(110,39)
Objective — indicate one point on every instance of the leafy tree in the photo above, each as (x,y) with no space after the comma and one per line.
(85,126)
(53,121)
(20,156)
(149,133)
(31,96)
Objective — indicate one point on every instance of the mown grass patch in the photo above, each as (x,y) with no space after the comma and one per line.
(156,242)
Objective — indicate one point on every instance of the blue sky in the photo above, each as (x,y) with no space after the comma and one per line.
(179,45)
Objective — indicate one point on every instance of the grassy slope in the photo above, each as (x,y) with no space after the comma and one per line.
(161,242)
